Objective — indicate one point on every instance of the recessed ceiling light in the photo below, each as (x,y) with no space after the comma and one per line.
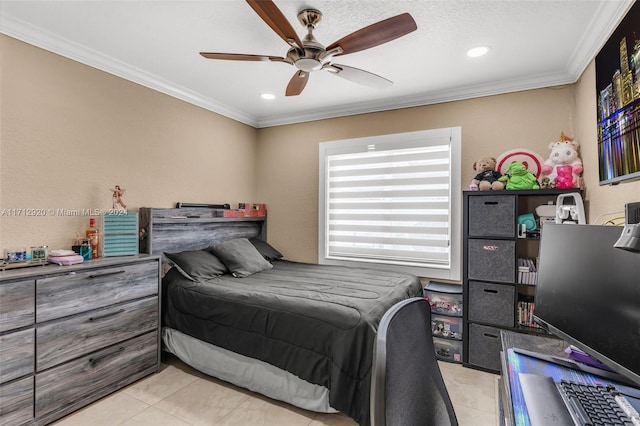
(268,96)
(478,51)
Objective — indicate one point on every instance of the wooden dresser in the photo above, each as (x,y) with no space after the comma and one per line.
(70,335)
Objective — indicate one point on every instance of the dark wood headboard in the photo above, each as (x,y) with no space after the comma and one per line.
(193,228)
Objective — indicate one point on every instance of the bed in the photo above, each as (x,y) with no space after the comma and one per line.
(233,308)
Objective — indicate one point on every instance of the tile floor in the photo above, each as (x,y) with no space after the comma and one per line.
(181,396)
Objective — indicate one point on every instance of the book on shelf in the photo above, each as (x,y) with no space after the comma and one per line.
(527,271)
(525,312)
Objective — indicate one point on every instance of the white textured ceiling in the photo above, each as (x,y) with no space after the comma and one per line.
(156,43)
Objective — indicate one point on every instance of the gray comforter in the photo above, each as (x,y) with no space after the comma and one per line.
(318,322)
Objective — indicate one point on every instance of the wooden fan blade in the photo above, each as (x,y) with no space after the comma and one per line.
(376,34)
(269,12)
(240,57)
(359,76)
(297,83)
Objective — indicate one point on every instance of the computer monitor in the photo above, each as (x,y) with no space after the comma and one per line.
(588,293)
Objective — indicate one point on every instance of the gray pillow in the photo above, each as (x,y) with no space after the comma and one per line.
(197,265)
(266,250)
(240,257)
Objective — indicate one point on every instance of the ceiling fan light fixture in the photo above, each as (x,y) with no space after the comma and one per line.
(309,55)
(268,96)
(308,64)
(478,51)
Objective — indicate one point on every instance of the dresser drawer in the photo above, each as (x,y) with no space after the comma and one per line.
(16,354)
(492,216)
(491,260)
(64,340)
(492,303)
(16,304)
(16,402)
(91,375)
(73,293)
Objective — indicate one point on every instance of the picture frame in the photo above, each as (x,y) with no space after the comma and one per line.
(618,102)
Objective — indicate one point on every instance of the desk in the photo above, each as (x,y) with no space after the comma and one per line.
(537,343)
(513,410)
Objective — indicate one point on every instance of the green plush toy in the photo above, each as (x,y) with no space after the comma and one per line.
(518,177)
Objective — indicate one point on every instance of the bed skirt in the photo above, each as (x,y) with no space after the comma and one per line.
(248,373)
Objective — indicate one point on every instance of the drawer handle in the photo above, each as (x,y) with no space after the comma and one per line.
(489,290)
(493,336)
(107,274)
(490,203)
(110,314)
(94,361)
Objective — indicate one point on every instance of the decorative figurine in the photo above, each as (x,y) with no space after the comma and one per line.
(117,198)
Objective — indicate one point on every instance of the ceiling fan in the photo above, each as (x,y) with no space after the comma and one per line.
(308,55)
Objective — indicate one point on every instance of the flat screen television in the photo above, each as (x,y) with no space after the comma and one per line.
(588,294)
(618,94)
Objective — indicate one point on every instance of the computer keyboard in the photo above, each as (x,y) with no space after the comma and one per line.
(597,405)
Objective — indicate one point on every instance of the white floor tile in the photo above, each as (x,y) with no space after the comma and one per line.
(112,410)
(179,395)
(202,402)
(160,385)
(154,417)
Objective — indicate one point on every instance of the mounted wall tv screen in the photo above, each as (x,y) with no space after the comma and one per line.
(618,86)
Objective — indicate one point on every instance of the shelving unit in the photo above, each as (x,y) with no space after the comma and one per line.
(493,286)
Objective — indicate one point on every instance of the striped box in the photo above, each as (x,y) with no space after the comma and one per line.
(119,234)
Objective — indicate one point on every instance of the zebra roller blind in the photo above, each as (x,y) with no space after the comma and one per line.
(389,201)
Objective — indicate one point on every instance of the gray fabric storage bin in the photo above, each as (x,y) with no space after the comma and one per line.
(492,303)
(484,346)
(492,216)
(492,260)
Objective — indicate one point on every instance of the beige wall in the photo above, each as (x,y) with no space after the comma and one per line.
(70,132)
(602,202)
(288,166)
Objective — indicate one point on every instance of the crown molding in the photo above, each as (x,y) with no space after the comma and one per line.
(431,98)
(603,24)
(38,37)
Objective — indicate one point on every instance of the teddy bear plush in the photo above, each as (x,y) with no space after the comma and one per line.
(518,177)
(487,177)
(563,153)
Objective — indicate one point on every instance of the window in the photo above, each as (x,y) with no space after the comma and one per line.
(388,201)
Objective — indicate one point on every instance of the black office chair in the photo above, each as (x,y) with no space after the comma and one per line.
(407,388)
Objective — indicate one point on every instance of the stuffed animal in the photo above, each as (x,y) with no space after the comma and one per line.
(563,153)
(487,177)
(564,177)
(518,177)
(545,183)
